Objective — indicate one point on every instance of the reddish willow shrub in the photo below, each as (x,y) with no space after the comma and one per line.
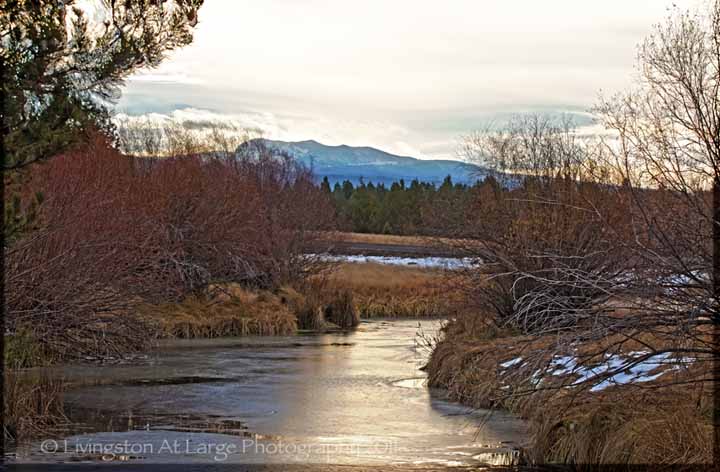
(551,251)
(118,230)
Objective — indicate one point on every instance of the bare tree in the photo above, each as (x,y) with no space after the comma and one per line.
(534,145)
(547,263)
(599,262)
(668,138)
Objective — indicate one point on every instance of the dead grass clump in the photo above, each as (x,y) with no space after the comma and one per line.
(468,368)
(384,291)
(237,312)
(341,310)
(325,306)
(308,309)
(624,427)
(32,405)
(311,317)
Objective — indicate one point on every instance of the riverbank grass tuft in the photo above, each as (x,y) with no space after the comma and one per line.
(232,311)
(32,405)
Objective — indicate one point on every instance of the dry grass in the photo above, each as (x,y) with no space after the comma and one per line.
(447,245)
(224,311)
(324,306)
(368,277)
(307,308)
(329,301)
(384,291)
(231,310)
(341,310)
(378,239)
(624,427)
(32,405)
(619,425)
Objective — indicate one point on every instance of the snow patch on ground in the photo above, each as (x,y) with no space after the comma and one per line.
(511,362)
(449,263)
(634,373)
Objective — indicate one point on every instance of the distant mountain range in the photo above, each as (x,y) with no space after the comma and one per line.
(339,163)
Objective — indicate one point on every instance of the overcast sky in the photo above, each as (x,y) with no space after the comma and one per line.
(406,76)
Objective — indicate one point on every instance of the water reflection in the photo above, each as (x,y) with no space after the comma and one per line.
(354,398)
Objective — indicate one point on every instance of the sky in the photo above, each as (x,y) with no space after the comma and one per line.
(410,77)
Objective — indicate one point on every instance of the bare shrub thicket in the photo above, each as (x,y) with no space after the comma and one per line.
(666,146)
(120,230)
(581,255)
(612,241)
(547,256)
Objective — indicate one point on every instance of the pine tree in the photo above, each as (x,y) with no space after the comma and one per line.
(348,189)
(60,70)
(447,184)
(325,185)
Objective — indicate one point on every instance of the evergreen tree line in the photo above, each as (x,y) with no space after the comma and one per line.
(420,208)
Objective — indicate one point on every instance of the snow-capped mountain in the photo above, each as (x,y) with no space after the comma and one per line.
(372,165)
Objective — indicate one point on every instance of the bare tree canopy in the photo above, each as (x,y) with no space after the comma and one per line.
(535,145)
(612,242)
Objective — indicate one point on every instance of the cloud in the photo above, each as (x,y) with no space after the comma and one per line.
(407,76)
(422,142)
(286,127)
(409,54)
(166,77)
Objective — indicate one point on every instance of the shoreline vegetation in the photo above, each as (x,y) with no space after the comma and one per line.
(336,297)
(590,307)
(117,233)
(478,365)
(661,418)
(362,290)
(278,291)
(124,250)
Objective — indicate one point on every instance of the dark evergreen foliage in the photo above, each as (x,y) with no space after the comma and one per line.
(418,209)
(61,70)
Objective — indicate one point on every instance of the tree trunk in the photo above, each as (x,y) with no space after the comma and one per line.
(716,316)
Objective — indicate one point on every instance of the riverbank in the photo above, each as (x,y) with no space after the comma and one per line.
(333,300)
(32,405)
(623,421)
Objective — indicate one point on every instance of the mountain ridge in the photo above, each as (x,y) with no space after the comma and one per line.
(355,163)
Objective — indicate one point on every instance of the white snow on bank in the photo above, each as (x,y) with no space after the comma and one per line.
(639,372)
(511,362)
(450,263)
